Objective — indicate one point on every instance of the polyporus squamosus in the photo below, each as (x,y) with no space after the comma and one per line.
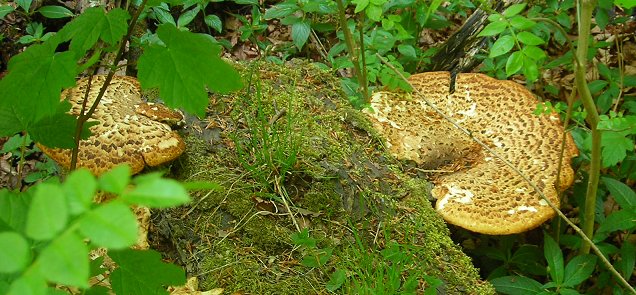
(483,195)
(122,135)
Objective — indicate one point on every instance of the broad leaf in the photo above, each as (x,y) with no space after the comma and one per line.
(65,261)
(112,226)
(80,188)
(158,193)
(554,256)
(281,10)
(628,259)
(31,283)
(54,11)
(622,193)
(516,285)
(624,219)
(300,33)
(494,28)
(14,208)
(115,180)
(143,272)
(184,67)
(529,38)
(614,147)
(502,46)
(5,9)
(14,252)
(48,213)
(579,269)
(514,10)
(92,25)
(514,63)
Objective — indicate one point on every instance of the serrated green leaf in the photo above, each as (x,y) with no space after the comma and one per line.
(14,252)
(529,38)
(336,279)
(515,285)
(614,147)
(143,272)
(622,193)
(57,130)
(554,256)
(55,11)
(502,46)
(184,67)
(214,22)
(514,63)
(300,33)
(514,10)
(32,88)
(579,269)
(281,10)
(92,25)
(65,261)
(80,188)
(111,225)
(115,180)
(494,28)
(158,193)
(187,17)
(5,9)
(48,213)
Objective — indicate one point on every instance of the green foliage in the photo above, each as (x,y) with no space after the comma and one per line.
(143,272)
(43,231)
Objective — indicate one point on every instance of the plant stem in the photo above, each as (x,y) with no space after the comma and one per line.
(351,48)
(585,9)
(83,117)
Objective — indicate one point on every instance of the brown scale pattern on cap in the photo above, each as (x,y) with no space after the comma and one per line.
(122,135)
(484,195)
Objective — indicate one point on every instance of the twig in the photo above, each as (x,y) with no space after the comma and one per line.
(525,178)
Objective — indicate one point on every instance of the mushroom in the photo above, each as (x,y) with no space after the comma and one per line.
(481,194)
(122,135)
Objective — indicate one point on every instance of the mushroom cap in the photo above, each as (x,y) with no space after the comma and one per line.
(482,194)
(122,135)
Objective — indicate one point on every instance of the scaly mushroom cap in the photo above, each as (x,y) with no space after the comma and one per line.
(483,195)
(122,135)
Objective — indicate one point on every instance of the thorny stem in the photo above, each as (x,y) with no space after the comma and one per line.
(83,117)
(516,170)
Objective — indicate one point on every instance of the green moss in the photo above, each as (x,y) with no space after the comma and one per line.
(341,172)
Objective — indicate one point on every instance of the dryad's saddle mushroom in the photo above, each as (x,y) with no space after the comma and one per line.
(122,135)
(483,194)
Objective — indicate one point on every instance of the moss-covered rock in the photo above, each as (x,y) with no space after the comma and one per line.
(290,143)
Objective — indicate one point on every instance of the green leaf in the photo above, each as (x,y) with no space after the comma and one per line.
(515,285)
(25,5)
(56,131)
(158,193)
(521,23)
(627,4)
(318,258)
(530,69)
(187,17)
(336,279)
(302,239)
(533,52)
(5,9)
(214,22)
(628,259)
(184,67)
(31,283)
(14,208)
(622,193)
(163,15)
(281,10)
(502,46)
(494,28)
(300,33)
(32,88)
(115,180)
(374,12)
(54,11)
(624,219)
(407,50)
(579,269)
(112,226)
(48,213)
(614,147)
(360,5)
(65,261)
(514,63)
(143,272)
(554,256)
(14,252)
(514,10)
(529,38)
(80,188)
(95,24)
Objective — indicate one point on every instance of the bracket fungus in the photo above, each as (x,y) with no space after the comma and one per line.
(482,194)
(122,135)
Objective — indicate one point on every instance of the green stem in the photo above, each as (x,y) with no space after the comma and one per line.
(83,117)
(351,48)
(585,9)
